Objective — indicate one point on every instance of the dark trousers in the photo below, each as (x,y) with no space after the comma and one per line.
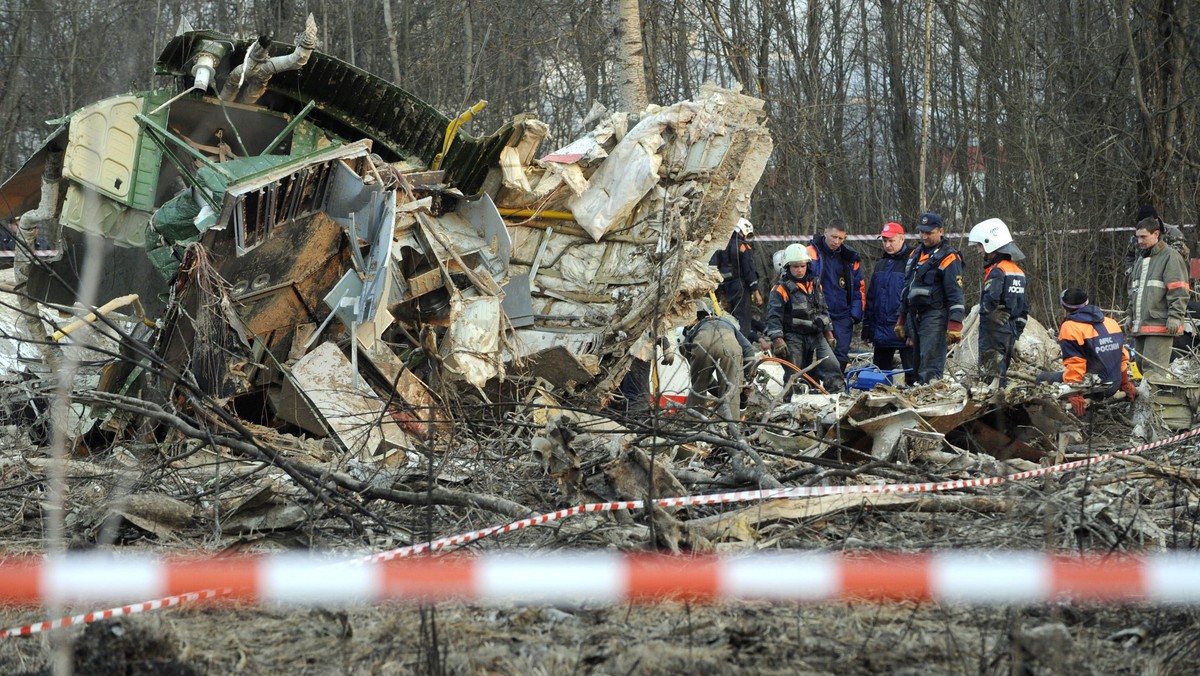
(805,348)
(995,350)
(737,304)
(928,331)
(843,333)
(635,386)
(885,359)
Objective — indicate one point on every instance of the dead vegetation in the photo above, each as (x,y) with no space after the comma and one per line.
(206,481)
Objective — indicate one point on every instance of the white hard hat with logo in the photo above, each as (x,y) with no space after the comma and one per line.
(993,235)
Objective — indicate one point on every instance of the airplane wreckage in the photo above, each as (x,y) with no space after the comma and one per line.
(294,231)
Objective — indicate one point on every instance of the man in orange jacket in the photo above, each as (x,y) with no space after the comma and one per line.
(1090,343)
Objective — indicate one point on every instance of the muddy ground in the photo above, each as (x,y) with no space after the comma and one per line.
(665,639)
(673,637)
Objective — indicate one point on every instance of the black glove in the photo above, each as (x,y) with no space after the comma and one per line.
(999,317)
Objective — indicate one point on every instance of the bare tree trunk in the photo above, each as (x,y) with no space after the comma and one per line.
(631,70)
(904,137)
(393,52)
(16,44)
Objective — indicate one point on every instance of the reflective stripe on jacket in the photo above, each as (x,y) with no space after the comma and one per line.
(1004,288)
(796,306)
(933,280)
(841,278)
(1158,290)
(1092,343)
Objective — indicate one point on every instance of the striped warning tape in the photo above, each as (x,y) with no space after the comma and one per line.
(132,609)
(767,494)
(805,239)
(709,499)
(606,577)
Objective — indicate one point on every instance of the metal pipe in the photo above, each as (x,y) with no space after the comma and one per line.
(131,299)
(534,213)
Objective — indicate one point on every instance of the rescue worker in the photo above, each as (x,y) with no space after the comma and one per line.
(839,270)
(739,285)
(1158,296)
(797,321)
(883,302)
(1003,304)
(718,357)
(932,303)
(1090,343)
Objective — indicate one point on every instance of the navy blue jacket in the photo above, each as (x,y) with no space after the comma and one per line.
(736,263)
(1004,287)
(933,281)
(796,306)
(841,278)
(883,300)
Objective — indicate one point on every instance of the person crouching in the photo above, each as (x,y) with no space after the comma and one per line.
(1090,343)
(718,354)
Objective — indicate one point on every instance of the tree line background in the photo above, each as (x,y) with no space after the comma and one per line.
(1054,115)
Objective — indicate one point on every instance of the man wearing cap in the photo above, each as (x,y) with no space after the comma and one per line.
(1090,343)
(1003,307)
(932,303)
(1158,296)
(840,271)
(883,302)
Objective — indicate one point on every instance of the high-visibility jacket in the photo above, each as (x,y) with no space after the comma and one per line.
(736,263)
(1158,290)
(841,278)
(933,281)
(1092,343)
(1004,288)
(796,306)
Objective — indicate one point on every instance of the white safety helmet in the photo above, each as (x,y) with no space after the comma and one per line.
(744,227)
(796,253)
(992,234)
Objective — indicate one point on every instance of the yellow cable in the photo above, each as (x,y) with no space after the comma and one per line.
(452,131)
(712,295)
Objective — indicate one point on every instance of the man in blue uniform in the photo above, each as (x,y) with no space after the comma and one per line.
(883,302)
(932,304)
(839,270)
(1003,307)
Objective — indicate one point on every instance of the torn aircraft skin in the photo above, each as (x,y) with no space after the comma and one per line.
(301,229)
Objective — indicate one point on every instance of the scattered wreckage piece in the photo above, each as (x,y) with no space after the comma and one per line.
(736,529)
(1023,422)
(650,206)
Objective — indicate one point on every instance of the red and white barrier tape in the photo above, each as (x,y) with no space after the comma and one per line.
(606,577)
(375,560)
(805,239)
(119,611)
(768,494)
